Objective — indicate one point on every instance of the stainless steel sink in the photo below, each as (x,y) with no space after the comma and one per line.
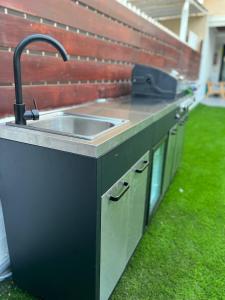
(81,126)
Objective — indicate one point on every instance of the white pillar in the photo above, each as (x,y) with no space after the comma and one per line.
(184,20)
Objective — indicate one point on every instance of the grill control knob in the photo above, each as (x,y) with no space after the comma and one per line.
(177,116)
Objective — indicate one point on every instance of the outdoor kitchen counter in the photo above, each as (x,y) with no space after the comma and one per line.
(140,113)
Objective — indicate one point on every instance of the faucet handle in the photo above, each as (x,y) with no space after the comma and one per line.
(32,114)
(35,104)
(35,111)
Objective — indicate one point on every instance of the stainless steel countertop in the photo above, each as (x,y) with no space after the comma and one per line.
(140,113)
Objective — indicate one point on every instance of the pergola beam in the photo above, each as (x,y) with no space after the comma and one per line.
(184,20)
(161,9)
(199,6)
(174,17)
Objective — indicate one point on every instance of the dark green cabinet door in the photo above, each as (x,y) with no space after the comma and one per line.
(169,161)
(180,143)
(173,153)
(178,148)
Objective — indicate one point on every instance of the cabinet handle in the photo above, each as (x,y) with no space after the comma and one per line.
(123,191)
(177,116)
(145,164)
(174,132)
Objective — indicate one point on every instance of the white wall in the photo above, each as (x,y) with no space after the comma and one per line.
(208,50)
(215,68)
(213,43)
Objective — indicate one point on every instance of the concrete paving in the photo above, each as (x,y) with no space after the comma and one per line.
(214,101)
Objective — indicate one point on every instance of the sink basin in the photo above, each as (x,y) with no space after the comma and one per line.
(80,126)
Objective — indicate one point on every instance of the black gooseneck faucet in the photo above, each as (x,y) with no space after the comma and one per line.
(21,115)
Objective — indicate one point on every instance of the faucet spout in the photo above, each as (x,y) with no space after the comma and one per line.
(19,106)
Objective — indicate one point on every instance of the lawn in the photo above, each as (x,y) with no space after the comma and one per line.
(182,254)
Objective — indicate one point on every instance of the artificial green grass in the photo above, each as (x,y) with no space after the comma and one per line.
(182,254)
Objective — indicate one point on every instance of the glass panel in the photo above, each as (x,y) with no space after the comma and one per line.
(158,159)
